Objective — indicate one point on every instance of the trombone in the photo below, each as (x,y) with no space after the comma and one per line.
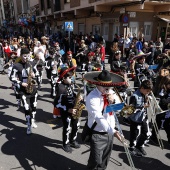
(123,140)
(156,109)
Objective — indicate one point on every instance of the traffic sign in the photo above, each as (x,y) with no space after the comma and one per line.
(68,26)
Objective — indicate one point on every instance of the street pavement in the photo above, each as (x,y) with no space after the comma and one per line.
(43,149)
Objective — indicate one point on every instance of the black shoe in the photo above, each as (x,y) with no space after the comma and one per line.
(135,152)
(75,145)
(142,151)
(67,148)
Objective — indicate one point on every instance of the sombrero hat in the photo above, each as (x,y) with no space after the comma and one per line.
(104,78)
(141,54)
(64,71)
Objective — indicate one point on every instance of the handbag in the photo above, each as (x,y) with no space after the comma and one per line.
(87,132)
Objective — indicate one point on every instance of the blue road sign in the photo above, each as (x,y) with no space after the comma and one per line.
(68,26)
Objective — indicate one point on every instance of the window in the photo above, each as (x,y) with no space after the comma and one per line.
(147,30)
(96,29)
(81,28)
(57,5)
(42,5)
(48,3)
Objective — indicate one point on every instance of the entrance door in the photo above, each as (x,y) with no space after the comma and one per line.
(147,30)
(81,28)
(96,29)
(105,31)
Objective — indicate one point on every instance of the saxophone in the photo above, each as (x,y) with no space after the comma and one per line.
(30,81)
(78,105)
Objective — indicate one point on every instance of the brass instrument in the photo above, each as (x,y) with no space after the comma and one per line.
(30,81)
(123,140)
(154,110)
(78,105)
(127,109)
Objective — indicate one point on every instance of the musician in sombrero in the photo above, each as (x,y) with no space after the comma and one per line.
(65,102)
(102,135)
(141,68)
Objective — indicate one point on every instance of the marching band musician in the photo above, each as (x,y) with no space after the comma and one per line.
(139,124)
(89,66)
(116,64)
(38,66)
(55,63)
(71,62)
(23,74)
(102,135)
(163,119)
(64,101)
(141,68)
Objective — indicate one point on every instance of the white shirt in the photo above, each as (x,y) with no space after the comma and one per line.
(126,43)
(40,51)
(94,105)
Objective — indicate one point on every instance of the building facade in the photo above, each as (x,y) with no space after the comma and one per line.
(108,17)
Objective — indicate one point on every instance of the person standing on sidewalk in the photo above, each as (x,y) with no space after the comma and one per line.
(2,58)
(102,53)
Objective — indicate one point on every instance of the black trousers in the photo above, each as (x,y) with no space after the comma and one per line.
(29,103)
(68,123)
(39,77)
(100,151)
(139,133)
(163,121)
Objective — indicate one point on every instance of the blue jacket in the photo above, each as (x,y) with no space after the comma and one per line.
(138,101)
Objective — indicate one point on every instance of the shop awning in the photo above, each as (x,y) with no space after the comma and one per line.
(164,17)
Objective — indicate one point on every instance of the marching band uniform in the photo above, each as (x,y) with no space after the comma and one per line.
(20,74)
(102,135)
(141,68)
(56,62)
(38,66)
(89,66)
(139,124)
(64,101)
(163,119)
(15,86)
(71,62)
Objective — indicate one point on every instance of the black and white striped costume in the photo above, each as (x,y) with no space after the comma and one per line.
(38,66)
(19,75)
(65,101)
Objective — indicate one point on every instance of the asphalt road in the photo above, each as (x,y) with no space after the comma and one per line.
(43,149)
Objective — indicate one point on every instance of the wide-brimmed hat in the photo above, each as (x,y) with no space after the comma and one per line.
(104,78)
(141,54)
(64,71)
